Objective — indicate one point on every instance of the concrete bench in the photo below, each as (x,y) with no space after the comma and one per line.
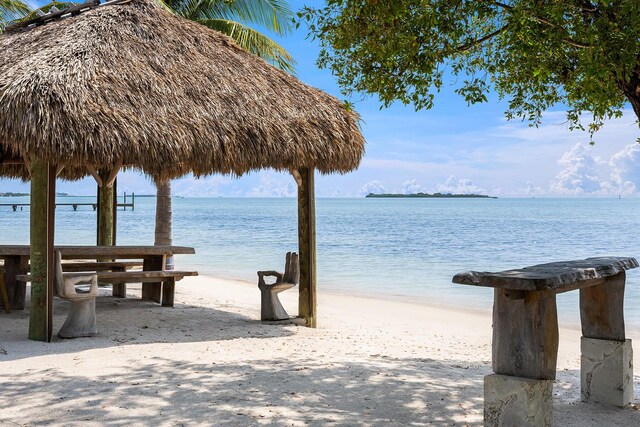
(271,308)
(167,278)
(525,337)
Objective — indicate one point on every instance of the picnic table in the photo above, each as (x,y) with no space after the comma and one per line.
(525,337)
(16,263)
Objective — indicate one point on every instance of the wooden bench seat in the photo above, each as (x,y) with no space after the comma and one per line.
(167,278)
(101,266)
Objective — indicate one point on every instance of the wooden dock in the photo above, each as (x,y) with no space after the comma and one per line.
(123,205)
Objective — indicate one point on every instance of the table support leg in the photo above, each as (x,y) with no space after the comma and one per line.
(525,349)
(153,291)
(606,368)
(16,291)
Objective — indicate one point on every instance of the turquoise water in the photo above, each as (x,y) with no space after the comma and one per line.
(400,247)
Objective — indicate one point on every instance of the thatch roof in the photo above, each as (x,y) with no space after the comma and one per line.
(134,82)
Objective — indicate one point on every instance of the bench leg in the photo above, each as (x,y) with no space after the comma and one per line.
(119,290)
(168,292)
(525,334)
(606,365)
(525,351)
(515,401)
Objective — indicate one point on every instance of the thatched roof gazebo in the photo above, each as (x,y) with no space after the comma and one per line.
(127,84)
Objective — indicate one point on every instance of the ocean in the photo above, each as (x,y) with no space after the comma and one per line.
(392,248)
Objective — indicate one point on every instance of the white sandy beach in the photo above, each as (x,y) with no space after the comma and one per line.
(209,361)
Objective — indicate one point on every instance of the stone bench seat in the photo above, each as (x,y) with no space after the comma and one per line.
(560,276)
(525,337)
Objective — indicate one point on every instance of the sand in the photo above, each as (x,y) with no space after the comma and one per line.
(209,361)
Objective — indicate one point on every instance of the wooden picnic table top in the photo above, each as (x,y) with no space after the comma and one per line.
(558,276)
(93,252)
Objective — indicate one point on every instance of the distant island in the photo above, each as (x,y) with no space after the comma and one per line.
(434,196)
(13,194)
(26,194)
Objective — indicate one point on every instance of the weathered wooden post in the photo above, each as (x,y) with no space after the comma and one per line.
(163,237)
(105,211)
(41,252)
(307,246)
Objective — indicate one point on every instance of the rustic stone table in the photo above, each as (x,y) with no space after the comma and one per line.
(525,337)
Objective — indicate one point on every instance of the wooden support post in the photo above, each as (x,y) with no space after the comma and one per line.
(105,212)
(525,334)
(41,253)
(115,212)
(307,248)
(602,311)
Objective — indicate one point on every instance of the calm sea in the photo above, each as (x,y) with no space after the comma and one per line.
(390,247)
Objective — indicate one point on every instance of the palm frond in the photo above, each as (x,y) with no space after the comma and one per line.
(272,15)
(11,10)
(60,5)
(253,42)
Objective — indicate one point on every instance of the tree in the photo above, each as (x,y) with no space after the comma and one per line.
(233,19)
(10,10)
(584,54)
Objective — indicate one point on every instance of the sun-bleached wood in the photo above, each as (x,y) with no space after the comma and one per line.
(525,334)
(559,276)
(307,248)
(91,252)
(602,309)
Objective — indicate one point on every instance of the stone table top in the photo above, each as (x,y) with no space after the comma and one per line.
(559,276)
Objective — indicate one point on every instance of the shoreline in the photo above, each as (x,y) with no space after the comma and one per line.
(425,301)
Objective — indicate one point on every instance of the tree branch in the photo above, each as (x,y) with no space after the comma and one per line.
(541,20)
(481,40)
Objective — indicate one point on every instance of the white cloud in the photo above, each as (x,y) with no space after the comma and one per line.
(272,185)
(374,187)
(211,186)
(625,169)
(579,176)
(412,187)
(459,186)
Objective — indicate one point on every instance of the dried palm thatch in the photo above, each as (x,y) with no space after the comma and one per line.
(135,83)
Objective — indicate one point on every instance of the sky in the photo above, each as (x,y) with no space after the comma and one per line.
(451,148)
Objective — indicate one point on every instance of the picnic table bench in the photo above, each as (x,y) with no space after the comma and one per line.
(525,337)
(16,262)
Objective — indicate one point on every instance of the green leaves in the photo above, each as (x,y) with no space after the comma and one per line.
(233,17)
(11,10)
(585,55)
(253,42)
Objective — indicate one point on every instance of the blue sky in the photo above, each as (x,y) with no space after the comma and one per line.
(450,148)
